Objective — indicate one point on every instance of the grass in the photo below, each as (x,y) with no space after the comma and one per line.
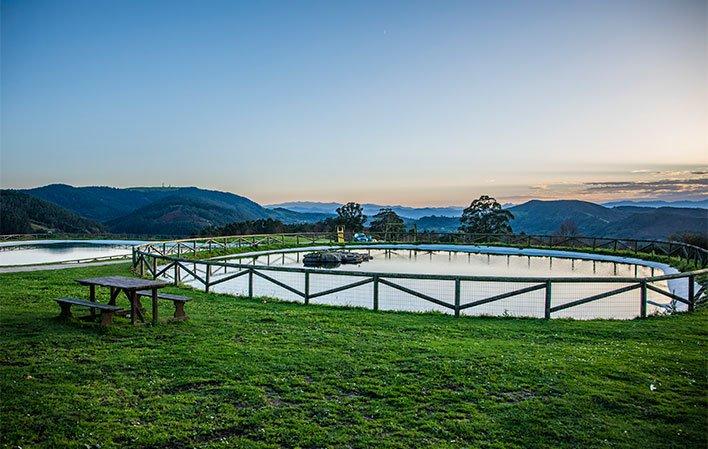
(266,374)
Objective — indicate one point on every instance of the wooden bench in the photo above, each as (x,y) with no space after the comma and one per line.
(177,300)
(107,310)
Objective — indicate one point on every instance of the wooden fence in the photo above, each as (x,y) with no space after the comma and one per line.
(689,253)
(167,260)
(196,245)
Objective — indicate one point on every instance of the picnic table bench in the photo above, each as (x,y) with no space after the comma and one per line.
(129,286)
(107,310)
(133,288)
(177,300)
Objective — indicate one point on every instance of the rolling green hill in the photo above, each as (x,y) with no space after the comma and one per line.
(545,217)
(99,203)
(23,214)
(648,223)
(108,203)
(180,215)
(163,211)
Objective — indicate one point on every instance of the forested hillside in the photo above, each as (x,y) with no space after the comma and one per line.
(23,214)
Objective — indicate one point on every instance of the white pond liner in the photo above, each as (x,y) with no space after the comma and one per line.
(359,295)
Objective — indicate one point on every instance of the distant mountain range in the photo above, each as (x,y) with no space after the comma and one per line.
(701,204)
(182,211)
(416,213)
(370,209)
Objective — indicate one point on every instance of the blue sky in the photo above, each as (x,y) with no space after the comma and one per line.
(390,102)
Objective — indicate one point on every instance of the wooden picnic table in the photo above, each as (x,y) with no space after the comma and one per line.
(129,286)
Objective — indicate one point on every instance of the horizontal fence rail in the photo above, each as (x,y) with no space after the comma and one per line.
(166,259)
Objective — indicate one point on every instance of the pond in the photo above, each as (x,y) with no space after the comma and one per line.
(32,252)
(471,262)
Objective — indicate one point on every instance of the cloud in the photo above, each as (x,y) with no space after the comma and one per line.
(540,187)
(656,188)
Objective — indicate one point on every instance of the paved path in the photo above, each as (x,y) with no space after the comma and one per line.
(58,266)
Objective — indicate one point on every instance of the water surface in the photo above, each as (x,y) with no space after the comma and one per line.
(47,251)
(621,306)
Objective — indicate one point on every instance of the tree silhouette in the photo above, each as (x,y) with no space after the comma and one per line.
(568,228)
(351,216)
(486,216)
(387,221)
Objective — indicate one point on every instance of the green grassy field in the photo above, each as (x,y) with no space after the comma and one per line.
(260,373)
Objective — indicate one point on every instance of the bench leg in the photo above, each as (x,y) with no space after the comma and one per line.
(106,317)
(65,310)
(179,311)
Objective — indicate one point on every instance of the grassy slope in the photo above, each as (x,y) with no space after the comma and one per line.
(245,373)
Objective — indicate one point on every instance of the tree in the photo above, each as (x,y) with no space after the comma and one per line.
(568,228)
(351,216)
(387,221)
(486,216)
(691,238)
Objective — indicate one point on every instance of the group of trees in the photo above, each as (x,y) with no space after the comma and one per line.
(351,216)
(484,216)
(268,226)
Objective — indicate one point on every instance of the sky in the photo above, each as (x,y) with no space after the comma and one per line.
(415,103)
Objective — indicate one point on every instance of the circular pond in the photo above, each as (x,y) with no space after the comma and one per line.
(481,280)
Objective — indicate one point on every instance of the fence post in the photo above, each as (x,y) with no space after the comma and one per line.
(691,293)
(547,312)
(376,292)
(154,267)
(457,297)
(142,265)
(176,273)
(250,282)
(208,275)
(307,287)
(643,299)
(134,259)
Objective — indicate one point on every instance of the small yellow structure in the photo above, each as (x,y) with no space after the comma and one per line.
(340,234)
